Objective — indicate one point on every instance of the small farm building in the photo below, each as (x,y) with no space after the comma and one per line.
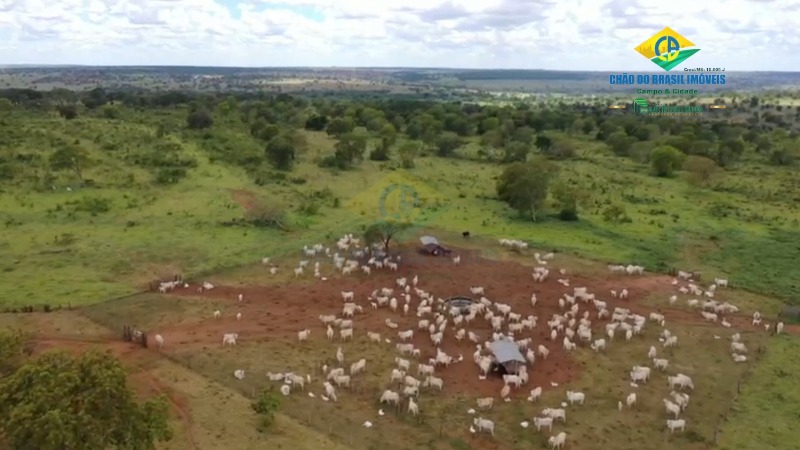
(431,246)
(507,355)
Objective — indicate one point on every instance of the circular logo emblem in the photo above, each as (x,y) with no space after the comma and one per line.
(672,51)
(399,202)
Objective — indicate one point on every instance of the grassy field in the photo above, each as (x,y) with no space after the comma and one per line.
(58,248)
(772,393)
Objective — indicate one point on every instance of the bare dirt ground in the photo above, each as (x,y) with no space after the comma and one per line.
(244,198)
(279,312)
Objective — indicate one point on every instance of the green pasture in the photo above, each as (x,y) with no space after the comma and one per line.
(765,414)
(82,246)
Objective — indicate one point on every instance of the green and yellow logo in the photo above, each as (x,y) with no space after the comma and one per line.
(667,49)
(399,197)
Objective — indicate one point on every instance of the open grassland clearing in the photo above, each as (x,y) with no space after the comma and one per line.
(771,392)
(141,220)
(152,232)
(273,314)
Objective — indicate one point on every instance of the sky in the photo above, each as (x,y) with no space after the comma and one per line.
(735,35)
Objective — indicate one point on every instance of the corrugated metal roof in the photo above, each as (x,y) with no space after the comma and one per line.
(428,240)
(505,351)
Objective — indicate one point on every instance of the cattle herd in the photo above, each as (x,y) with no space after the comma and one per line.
(585,317)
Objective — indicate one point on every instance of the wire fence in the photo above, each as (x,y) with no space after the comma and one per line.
(759,354)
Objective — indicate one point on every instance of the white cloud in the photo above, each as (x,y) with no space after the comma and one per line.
(566,34)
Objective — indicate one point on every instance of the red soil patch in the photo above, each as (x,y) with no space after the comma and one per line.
(279,312)
(245,199)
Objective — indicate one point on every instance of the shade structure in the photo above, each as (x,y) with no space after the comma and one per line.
(507,354)
(426,240)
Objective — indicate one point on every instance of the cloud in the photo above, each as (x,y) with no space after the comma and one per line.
(573,35)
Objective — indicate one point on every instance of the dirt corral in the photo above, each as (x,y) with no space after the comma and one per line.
(280,312)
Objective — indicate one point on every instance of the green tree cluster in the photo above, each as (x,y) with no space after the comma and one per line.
(58,401)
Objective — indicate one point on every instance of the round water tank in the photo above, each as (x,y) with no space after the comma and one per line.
(459,302)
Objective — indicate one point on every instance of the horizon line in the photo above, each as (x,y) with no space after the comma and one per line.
(33,66)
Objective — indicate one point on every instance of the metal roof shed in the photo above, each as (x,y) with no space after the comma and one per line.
(431,246)
(429,240)
(507,354)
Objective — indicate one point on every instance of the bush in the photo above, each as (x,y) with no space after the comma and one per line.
(379,153)
(568,215)
(616,213)
(666,160)
(699,168)
(93,205)
(199,119)
(170,175)
(266,405)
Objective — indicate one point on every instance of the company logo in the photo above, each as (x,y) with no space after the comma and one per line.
(397,197)
(640,106)
(406,199)
(667,49)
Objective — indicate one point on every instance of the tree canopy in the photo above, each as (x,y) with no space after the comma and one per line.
(383,232)
(70,157)
(666,160)
(61,402)
(11,351)
(199,119)
(524,186)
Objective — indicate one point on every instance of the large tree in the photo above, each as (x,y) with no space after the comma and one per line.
(383,232)
(61,402)
(70,157)
(281,150)
(340,126)
(524,186)
(350,148)
(199,119)
(446,143)
(666,160)
(408,151)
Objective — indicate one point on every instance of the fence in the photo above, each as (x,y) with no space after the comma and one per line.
(762,350)
(133,335)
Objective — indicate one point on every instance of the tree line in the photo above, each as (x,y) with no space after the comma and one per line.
(522,135)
